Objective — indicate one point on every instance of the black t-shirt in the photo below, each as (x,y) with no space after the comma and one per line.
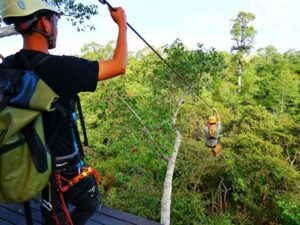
(67,76)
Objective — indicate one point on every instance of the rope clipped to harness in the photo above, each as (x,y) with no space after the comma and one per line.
(62,188)
(85,171)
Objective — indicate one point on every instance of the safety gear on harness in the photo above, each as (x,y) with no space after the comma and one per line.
(63,185)
(216,151)
(84,172)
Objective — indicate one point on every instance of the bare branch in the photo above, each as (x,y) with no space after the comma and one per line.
(288,155)
(166,199)
(7,31)
(294,159)
(174,118)
(222,190)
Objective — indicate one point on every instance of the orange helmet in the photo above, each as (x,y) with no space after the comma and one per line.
(212,120)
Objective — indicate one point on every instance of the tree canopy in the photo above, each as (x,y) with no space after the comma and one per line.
(255,181)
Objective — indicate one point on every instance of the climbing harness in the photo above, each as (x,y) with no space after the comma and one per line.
(60,185)
(212,130)
(85,171)
(63,185)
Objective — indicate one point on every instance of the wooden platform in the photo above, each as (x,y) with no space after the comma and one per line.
(13,214)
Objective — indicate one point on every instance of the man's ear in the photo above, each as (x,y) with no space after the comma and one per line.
(44,24)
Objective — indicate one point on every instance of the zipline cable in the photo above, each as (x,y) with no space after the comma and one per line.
(159,56)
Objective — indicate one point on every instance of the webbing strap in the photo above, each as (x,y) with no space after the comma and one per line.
(28,215)
(63,112)
(74,126)
(79,108)
(35,62)
(7,148)
(36,147)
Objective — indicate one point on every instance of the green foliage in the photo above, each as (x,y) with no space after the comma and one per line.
(242,33)
(78,13)
(94,51)
(278,83)
(294,57)
(255,181)
(290,208)
(194,67)
(185,204)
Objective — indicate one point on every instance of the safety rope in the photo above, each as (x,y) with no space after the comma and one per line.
(160,57)
(84,172)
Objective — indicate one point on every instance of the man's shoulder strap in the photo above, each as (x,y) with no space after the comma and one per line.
(21,61)
(37,61)
(8,61)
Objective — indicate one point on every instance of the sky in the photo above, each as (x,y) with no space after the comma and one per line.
(160,22)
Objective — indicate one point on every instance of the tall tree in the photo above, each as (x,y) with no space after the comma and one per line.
(196,68)
(165,211)
(243,35)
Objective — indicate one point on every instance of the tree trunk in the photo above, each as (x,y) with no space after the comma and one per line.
(282,104)
(239,73)
(167,192)
(7,31)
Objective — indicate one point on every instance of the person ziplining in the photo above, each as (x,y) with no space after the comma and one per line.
(212,132)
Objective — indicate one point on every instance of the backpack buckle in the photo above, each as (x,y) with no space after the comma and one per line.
(47,205)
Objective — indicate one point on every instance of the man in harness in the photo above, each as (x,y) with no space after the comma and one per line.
(212,133)
(67,76)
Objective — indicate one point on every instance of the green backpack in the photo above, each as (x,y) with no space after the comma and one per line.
(25,162)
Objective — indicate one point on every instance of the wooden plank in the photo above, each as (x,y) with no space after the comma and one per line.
(105,220)
(13,214)
(126,217)
(5,223)
(14,217)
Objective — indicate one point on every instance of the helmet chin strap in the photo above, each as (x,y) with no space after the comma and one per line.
(50,37)
(26,25)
